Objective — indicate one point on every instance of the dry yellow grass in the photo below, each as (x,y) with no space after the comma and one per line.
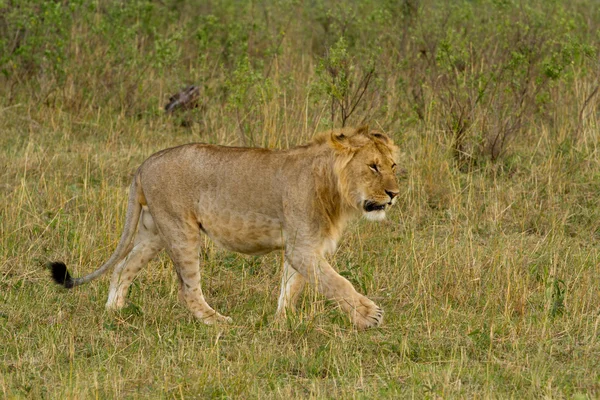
(489,275)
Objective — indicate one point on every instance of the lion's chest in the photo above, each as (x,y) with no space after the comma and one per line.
(248,233)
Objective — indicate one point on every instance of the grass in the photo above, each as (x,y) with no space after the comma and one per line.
(489,275)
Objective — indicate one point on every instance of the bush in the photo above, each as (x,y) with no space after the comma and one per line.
(484,73)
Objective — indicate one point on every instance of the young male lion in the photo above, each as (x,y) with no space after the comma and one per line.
(254,201)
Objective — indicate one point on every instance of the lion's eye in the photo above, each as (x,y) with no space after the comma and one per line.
(394,167)
(374,167)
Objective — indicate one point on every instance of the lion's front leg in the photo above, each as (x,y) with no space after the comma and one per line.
(292,284)
(363,312)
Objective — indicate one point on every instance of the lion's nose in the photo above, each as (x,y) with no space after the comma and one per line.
(391,194)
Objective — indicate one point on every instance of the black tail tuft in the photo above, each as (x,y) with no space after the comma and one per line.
(60,274)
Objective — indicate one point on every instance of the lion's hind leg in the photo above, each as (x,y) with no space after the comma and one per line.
(187,265)
(146,244)
(183,245)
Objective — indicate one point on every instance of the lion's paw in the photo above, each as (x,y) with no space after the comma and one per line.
(366,314)
(215,318)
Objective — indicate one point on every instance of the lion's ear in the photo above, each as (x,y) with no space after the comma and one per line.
(364,130)
(341,141)
(381,136)
(387,142)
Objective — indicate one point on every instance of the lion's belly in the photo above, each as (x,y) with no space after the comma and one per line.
(249,233)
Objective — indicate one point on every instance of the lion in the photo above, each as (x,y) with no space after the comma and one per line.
(254,201)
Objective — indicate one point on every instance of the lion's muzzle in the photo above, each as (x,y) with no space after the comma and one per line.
(370,206)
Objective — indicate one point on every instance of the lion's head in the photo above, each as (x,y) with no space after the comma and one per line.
(366,169)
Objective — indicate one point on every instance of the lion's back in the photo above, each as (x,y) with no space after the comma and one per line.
(234,194)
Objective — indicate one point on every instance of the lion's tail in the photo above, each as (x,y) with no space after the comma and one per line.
(58,269)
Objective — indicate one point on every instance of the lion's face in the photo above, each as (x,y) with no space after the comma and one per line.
(374,186)
(370,174)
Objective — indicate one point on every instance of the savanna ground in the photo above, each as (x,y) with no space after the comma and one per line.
(488,268)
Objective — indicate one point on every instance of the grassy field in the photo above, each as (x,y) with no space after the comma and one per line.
(488,268)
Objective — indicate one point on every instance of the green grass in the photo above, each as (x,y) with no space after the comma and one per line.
(488,268)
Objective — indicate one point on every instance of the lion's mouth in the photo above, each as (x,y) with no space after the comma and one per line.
(370,206)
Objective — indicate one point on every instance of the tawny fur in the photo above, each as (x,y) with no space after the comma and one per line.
(254,201)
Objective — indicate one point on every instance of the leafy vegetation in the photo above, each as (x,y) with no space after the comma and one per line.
(488,268)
